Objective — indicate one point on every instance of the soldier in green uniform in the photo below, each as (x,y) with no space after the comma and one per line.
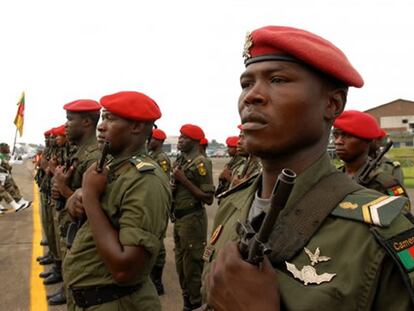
(335,244)
(386,164)
(354,132)
(235,161)
(18,203)
(159,156)
(108,265)
(248,167)
(82,117)
(192,188)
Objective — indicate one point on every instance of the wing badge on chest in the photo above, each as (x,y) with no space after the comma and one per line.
(308,274)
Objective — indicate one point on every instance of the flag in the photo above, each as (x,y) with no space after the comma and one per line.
(19,119)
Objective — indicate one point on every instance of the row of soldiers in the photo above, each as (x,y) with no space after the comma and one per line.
(9,191)
(336,244)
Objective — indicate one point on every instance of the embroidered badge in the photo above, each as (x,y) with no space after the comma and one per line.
(403,246)
(247,45)
(202,169)
(348,205)
(164,165)
(308,274)
(395,191)
(216,234)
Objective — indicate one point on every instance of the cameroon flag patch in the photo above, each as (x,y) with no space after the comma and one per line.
(402,246)
(395,191)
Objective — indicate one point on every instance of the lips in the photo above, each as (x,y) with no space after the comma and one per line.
(253,122)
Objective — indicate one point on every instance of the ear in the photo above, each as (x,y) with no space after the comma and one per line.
(137,127)
(335,104)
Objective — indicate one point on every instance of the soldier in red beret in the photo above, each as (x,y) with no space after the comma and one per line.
(234,162)
(80,128)
(158,155)
(331,231)
(354,133)
(192,189)
(126,204)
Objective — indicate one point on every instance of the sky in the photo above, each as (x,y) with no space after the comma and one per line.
(186,55)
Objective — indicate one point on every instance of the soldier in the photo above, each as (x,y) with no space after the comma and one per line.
(192,188)
(159,156)
(387,165)
(249,166)
(203,150)
(235,161)
(333,235)
(354,132)
(82,117)
(18,203)
(108,265)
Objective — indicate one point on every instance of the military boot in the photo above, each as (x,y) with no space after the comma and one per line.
(56,275)
(156,277)
(58,299)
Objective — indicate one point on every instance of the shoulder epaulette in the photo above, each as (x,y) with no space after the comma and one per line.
(396,163)
(370,207)
(240,186)
(142,166)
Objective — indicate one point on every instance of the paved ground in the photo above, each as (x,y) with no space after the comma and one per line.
(19,292)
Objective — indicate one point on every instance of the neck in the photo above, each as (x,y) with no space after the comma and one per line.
(131,150)
(352,167)
(85,137)
(297,162)
(192,152)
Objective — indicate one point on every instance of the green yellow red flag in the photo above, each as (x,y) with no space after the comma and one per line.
(19,119)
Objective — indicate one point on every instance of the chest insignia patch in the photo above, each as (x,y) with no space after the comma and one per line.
(395,191)
(164,165)
(202,169)
(308,274)
(348,205)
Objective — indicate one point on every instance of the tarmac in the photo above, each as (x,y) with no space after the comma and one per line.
(20,286)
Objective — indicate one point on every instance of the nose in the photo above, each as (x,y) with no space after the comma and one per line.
(255,95)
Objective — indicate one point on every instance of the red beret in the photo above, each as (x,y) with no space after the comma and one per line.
(383,133)
(132,105)
(291,44)
(60,130)
(47,133)
(232,141)
(359,124)
(158,134)
(82,105)
(203,141)
(192,131)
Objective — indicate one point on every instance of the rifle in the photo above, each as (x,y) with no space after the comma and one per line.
(75,226)
(253,246)
(363,176)
(60,203)
(222,182)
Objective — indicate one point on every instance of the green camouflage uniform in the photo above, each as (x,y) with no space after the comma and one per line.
(190,228)
(366,278)
(136,202)
(9,184)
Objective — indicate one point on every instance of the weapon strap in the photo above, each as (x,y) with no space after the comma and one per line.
(296,226)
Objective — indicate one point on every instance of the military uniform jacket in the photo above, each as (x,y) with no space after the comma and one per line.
(246,168)
(136,201)
(364,276)
(163,161)
(85,155)
(198,171)
(392,168)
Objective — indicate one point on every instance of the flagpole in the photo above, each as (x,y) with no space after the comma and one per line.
(14,143)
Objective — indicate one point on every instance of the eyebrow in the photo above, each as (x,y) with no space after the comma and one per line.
(273,68)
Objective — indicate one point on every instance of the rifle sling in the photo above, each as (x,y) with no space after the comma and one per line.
(296,226)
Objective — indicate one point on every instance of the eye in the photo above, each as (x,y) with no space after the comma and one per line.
(277,79)
(246,83)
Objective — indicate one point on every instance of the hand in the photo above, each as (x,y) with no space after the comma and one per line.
(179,174)
(61,178)
(74,204)
(225,175)
(52,165)
(55,194)
(234,284)
(94,183)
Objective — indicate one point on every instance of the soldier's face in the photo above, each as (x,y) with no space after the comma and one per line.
(185,144)
(60,140)
(349,148)
(231,151)
(154,144)
(115,130)
(73,126)
(241,149)
(281,106)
